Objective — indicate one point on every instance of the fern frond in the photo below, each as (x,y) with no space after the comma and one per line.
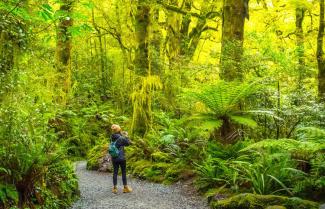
(205,120)
(242,120)
(224,97)
(311,133)
(284,144)
(266,113)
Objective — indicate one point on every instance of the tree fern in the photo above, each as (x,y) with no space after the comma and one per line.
(222,102)
(225,96)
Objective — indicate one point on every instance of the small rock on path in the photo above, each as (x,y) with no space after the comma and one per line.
(96,193)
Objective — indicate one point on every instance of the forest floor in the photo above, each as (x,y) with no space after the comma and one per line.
(95,188)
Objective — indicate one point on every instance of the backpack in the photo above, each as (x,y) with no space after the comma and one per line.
(113,150)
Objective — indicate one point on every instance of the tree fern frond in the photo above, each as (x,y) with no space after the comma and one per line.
(265,112)
(212,124)
(242,120)
(206,121)
(225,96)
(284,144)
(311,133)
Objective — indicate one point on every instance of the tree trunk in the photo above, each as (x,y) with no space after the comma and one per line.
(234,14)
(6,52)
(320,53)
(300,15)
(184,30)
(155,43)
(195,36)
(102,55)
(11,41)
(63,49)
(228,133)
(141,27)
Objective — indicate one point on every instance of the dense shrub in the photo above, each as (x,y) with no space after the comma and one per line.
(33,166)
(95,154)
(266,167)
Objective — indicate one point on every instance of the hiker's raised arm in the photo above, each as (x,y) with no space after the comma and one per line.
(126,141)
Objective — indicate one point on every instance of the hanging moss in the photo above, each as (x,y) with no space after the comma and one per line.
(142,102)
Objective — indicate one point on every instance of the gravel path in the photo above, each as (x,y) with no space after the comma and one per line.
(96,193)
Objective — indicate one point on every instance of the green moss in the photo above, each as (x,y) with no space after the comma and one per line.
(151,171)
(276,207)
(254,201)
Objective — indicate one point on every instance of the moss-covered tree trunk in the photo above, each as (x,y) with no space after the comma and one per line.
(184,30)
(300,15)
(320,53)
(234,14)
(142,22)
(12,35)
(155,43)
(233,23)
(6,52)
(188,38)
(63,50)
(13,41)
(142,63)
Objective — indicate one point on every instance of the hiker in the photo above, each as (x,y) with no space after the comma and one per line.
(119,140)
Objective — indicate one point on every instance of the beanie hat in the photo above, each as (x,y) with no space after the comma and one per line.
(116,128)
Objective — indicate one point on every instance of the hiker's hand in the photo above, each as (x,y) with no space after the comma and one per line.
(125,133)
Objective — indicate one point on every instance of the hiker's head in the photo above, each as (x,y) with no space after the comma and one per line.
(116,128)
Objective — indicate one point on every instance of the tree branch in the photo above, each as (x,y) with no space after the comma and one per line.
(210,28)
(15,7)
(209,15)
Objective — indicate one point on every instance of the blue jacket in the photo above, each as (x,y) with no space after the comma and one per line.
(121,142)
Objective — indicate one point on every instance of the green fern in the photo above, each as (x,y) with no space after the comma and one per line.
(222,103)
(224,97)
(246,121)
(285,145)
(8,194)
(311,133)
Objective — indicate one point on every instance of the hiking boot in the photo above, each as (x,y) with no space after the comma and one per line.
(114,190)
(127,189)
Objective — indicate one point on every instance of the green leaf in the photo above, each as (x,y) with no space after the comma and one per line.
(246,121)
(282,184)
(46,12)
(206,121)
(79,29)
(89,5)
(265,113)
(211,124)
(3,170)
(311,133)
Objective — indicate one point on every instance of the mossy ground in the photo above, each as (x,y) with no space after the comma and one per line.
(254,201)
